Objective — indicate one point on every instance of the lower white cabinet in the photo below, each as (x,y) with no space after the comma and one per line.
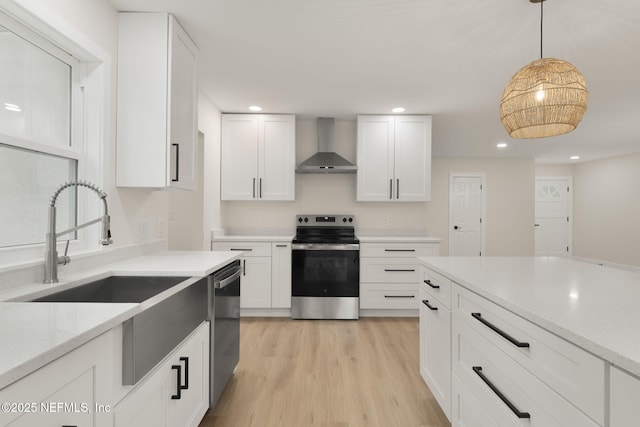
(176,392)
(266,272)
(623,399)
(72,390)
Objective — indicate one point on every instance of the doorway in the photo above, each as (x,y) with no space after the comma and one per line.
(553,216)
(466,212)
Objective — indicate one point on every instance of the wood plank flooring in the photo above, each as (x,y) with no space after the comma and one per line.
(327,373)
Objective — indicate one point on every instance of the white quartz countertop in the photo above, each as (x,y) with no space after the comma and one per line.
(592,306)
(38,333)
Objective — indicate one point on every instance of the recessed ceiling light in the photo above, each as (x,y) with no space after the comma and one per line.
(574,157)
(398,110)
(255,108)
(502,145)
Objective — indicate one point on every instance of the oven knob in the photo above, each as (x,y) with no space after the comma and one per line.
(299,219)
(306,219)
(344,219)
(350,219)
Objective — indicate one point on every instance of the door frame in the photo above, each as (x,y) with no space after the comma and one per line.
(569,180)
(483,213)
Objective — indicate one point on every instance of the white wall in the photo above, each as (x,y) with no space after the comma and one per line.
(510,183)
(606,210)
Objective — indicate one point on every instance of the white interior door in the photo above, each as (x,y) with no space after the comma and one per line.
(553,216)
(466,208)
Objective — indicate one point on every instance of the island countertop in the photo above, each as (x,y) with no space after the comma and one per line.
(38,333)
(594,307)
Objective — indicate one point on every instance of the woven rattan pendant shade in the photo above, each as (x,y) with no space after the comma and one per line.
(547,97)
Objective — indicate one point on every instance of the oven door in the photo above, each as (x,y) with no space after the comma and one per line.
(325,270)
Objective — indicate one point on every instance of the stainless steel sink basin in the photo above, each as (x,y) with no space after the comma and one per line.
(123,289)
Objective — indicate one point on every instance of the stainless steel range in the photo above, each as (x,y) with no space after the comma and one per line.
(325,269)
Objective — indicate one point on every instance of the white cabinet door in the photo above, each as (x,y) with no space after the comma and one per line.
(375,158)
(255,282)
(624,392)
(412,159)
(281,275)
(157,103)
(66,391)
(159,400)
(435,349)
(394,158)
(277,157)
(258,157)
(239,156)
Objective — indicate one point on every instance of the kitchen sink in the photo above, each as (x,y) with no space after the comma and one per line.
(122,289)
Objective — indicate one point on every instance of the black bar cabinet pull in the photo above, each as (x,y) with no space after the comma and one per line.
(178,369)
(503,334)
(185,386)
(241,249)
(260,193)
(397,189)
(399,250)
(244,267)
(428,282)
(399,296)
(409,270)
(390,189)
(426,302)
(177,178)
(516,411)
(254,188)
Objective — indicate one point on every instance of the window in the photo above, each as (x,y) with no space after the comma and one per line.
(40,121)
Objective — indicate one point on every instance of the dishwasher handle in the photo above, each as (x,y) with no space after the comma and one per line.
(222,283)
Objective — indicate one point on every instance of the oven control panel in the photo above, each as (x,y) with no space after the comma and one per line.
(325,220)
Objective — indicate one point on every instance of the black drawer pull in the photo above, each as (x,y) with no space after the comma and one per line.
(500,332)
(399,250)
(178,369)
(399,296)
(426,302)
(428,282)
(407,270)
(516,411)
(240,249)
(185,386)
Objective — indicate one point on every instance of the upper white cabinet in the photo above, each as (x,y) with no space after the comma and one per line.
(258,157)
(157,103)
(394,158)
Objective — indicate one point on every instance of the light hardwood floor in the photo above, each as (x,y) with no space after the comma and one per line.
(327,373)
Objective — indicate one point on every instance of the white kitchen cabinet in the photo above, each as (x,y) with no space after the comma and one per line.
(157,103)
(281,274)
(79,381)
(176,392)
(394,158)
(623,400)
(435,336)
(389,274)
(258,157)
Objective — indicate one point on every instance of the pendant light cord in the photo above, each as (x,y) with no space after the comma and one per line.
(541,15)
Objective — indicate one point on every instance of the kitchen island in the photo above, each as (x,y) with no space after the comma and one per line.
(536,328)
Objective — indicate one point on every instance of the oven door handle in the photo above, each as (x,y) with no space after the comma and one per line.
(325,247)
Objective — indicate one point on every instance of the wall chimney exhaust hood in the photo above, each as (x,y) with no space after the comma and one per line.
(326,160)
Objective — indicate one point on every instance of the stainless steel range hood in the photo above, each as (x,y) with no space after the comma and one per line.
(326,160)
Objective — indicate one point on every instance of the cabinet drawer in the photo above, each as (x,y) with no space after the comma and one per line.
(250,249)
(509,392)
(398,250)
(466,411)
(392,270)
(436,285)
(388,296)
(572,372)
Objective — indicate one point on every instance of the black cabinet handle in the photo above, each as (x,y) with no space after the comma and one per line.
(177,147)
(390,189)
(455,227)
(409,270)
(254,188)
(397,189)
(178,369)
(500,332)
(399,296)
(426,302)
(516,411)
(260,185)
(428,282)
(240,249)
(399,250)
(244,267)
(185,386)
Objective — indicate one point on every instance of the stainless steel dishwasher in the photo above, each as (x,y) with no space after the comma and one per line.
(224,313)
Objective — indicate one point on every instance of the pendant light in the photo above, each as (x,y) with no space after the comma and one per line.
(547,97)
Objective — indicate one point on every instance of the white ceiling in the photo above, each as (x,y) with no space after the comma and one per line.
(447,58)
